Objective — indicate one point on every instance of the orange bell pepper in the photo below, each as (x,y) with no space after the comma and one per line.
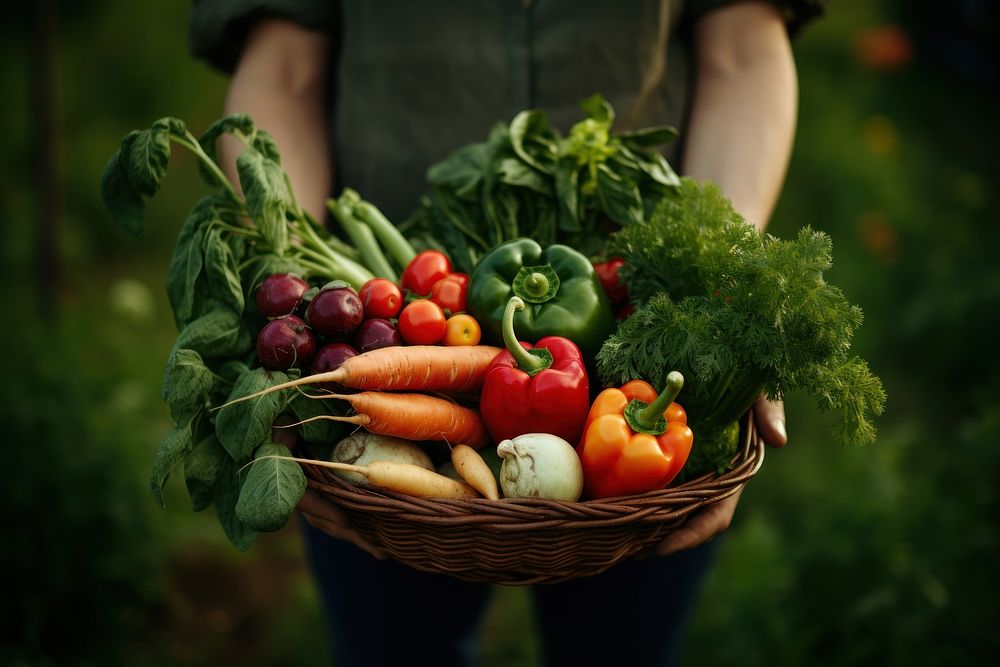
(634,440)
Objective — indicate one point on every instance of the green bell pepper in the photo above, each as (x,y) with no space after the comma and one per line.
(561,291)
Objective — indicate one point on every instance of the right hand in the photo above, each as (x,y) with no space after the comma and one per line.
(327,517)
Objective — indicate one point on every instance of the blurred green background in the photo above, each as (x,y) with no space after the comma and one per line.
(883,555)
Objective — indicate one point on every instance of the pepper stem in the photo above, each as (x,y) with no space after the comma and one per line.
(529,361)
(648,418)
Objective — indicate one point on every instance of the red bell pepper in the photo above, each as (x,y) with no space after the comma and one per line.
(614,286)
(540,389)
(634,441)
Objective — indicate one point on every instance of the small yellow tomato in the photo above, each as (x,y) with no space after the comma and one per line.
(462,330)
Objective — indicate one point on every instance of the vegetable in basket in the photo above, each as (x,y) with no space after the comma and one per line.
(738,313)
(540,465)
(635,440)
(559,286)
(540,389)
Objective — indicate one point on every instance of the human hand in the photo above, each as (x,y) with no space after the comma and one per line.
(706,523)
(327,517)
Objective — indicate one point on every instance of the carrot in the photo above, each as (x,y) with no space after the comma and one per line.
(402,478)
(474,470)
(459,368)
(413,417)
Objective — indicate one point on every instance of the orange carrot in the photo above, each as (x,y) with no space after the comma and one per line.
(402,478)
(474,470)
(413,417)
(458,368)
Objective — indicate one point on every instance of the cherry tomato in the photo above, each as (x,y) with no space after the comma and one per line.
(381,298)
(462,330)
(607,273)
(449,292)
(422,322)
(424,270)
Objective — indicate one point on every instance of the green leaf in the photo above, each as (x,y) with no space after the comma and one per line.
(245,426)
(218,333)
(648,137)
(567,184)
(174,447)
(599,109)
(267,196)
(619,197)
(231,124)
(227,493)
(515,172)
(222,271)
(149,155)
(462,171)
(322,430)
(272,490)
(532,140)
(651,163)
(188,260)
(187,382)
(202,470)
(120,197)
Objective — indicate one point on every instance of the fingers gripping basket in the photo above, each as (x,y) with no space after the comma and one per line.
(528,541)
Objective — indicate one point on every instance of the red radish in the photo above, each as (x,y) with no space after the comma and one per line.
(285,342)
(280,294)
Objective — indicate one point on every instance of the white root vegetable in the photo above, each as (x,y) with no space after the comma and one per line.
(540,465)
(362,448)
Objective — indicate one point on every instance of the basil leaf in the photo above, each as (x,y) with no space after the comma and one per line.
(462,171)
(231,369)
(218,333)
(202,469)
(515,172)
(532,140)
(267,196)
(243,427)
(149,155)
(120,197)
(187,382)
(567,179)
(266,145)
(599,109)
(272,490)
(652,163)
(619,197)
(222,272)
(648,137)
(174,447)
(227,493)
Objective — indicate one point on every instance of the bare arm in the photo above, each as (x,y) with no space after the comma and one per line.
(740,136)
(281,81)
(743,117)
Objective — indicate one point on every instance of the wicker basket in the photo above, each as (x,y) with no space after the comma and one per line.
(528,541)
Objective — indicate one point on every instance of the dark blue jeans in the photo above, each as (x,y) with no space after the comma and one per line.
(385,613)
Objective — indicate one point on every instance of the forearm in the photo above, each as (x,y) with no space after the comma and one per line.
(280,82)
(743,114)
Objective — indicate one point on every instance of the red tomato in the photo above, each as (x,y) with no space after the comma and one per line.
(607,273)
(381,298)
(462,330)
(422,322)
(424,270)
(449,292)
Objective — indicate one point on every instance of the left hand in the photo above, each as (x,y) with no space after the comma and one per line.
(706,523)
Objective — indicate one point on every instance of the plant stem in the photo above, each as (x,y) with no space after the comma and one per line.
(191,143)
(531,362)
(652,412)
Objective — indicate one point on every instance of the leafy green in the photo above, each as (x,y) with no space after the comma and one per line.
(202,469)
(176,445)
(246,425)
(227,493)
(222,271)
(272,489)
(738,314)
(218,333)
(528,180)
(187,382)
(268,198)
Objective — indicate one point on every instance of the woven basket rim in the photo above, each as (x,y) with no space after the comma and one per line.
(517,514)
